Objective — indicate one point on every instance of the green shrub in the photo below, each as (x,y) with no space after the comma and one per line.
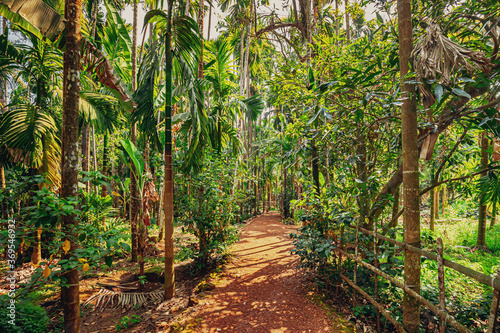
(28,319)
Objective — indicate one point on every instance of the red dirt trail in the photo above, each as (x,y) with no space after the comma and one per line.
(262,290)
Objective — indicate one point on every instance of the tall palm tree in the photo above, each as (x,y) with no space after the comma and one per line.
(411,197)
(70,292)
(182,41)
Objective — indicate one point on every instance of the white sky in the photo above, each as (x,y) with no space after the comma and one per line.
(217,15)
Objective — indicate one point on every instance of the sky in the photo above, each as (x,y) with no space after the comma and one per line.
(217,15)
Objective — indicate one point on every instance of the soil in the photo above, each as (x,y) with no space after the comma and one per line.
(259,290)
(262,290)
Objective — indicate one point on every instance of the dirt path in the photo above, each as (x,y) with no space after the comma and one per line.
(262,290)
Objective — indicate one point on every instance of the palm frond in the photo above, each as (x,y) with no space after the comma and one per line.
(100,110)
(23,129)
(117,298)
(435,54)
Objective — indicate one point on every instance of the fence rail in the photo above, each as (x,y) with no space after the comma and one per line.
(439,310)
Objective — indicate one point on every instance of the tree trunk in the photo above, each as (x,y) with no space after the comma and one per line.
(395,208)
(5,213)
(134,195)
(432,209)
(362,173)
(493,215)
(104,188)
(85,127)
(86,153)
(70,295)
(432,201)
(411,192)
(481,225)
(242,61)
(443,201)
(315,166)
(169,175)
(94,152)
(436,202)
(209,22)
(347,23)
(201,14)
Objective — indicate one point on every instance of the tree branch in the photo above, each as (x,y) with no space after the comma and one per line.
(275,26)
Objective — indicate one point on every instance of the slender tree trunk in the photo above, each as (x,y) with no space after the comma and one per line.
(269,194)
(315,166)
(347,23)
(481,226)
(209,22)
(94,149)
(432,201)
(5,213)
(134,193)
(395,208)
(201,14)
(242,61)
(436,203)
(493,215)
(247,61)
(362,172)
(443,201)
(86,153)
(411,197)
(434,207)
(337,27)
(95,9)
(169,175)
(70,295)
(104,188)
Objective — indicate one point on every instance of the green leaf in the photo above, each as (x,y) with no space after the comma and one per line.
(153,13)
(311,76)
(379,18)
(438,92)
(27,14)
(125,246)
(108,260)
(119,25)
(136,158)
(461,93)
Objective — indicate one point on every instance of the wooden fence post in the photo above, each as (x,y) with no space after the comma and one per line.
(494,308)
(375,256)
(442,296)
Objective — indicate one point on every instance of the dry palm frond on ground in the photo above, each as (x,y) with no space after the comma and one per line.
(118,298)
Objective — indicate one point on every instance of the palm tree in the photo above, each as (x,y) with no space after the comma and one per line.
(70,291)
(182,40)
(411,196)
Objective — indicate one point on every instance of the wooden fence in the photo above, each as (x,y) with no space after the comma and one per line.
(439,310)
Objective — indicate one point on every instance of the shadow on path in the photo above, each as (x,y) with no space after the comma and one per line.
(262,290)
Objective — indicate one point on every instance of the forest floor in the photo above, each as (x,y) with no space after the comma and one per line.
(262,290)
(257,288)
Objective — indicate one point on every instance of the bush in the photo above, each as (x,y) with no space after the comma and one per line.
(28,319)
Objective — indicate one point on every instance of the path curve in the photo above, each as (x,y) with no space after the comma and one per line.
(262,290)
